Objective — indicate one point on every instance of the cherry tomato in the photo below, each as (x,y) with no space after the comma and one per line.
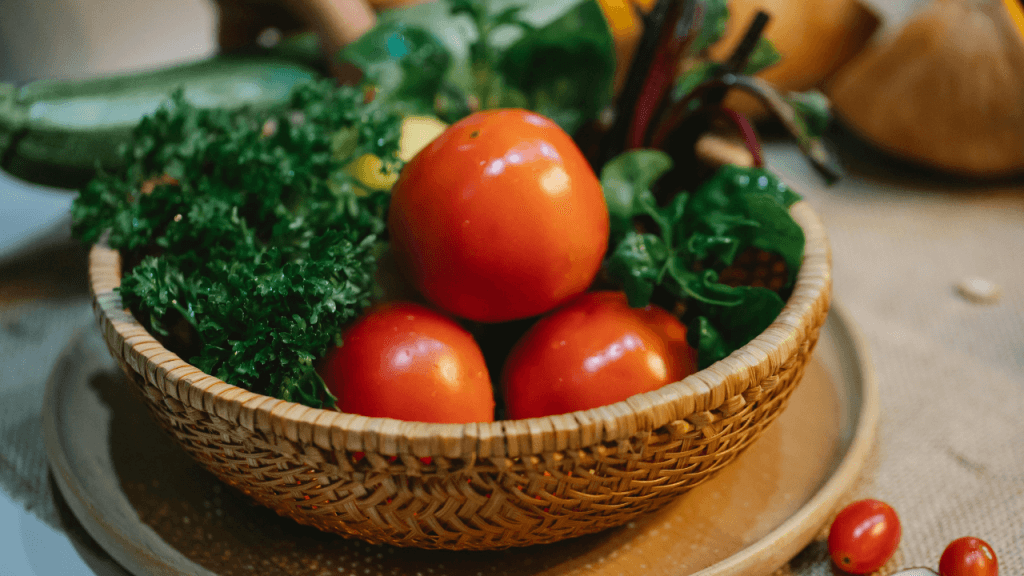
(593,351)
(968,556)
(499,218)
(864,536)
(402,360)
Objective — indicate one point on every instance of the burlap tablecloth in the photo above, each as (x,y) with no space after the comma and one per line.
(950,451)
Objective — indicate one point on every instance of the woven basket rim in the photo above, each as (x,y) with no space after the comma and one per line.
(289,422)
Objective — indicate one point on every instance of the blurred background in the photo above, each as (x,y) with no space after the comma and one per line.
(81,38)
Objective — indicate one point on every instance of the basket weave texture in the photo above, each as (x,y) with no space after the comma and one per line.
(481,485)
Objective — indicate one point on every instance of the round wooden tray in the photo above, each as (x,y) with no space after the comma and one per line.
(157,512)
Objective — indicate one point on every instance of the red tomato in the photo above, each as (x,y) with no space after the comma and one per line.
(673,332)
(499,218)
(594,351)
(968,556)
(864,536)
(402,360)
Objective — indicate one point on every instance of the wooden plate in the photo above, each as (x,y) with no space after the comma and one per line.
(156,512)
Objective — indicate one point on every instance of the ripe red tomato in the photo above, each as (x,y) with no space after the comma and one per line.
(593,351)
(968,556)
(499,218)
(402,360)
(864,536)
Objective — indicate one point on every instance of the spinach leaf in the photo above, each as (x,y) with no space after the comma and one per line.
(746,207)
(625,179)
(638,261)
(697,235)
(719,330)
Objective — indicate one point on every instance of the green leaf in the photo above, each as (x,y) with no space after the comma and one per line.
(814,109)
(456,32)
(764,56)
(720,330)
(709,343)
(776,232)
(717,192)
(694,76)
(716,16)
(637,262)
(406,65)
(556,58)
(563,69)
(750,206)
(699,234)
(623,179)
(713,247)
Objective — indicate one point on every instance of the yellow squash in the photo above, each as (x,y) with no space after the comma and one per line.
(417,133)
(626,28)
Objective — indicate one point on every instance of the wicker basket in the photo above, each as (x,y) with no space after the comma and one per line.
(475,486)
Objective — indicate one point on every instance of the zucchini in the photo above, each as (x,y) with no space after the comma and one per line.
(58,132)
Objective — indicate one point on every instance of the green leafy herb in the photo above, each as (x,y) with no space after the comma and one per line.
(813,109)
(764,56)
(627,180)
(405,64)
(719,330)
(747,207)
(698,236)
(716,16)
(252,248)
(563,70)
(698,73)
(451,58)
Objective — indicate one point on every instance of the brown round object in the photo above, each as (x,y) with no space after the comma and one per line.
(947,91)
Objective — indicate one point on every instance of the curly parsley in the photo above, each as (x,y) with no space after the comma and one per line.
(251,243)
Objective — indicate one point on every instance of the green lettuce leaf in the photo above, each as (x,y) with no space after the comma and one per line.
(563,70)
(556,58)
(624,179)
(696,236)
(405,64)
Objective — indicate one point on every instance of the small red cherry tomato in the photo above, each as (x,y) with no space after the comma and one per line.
(499,218)
(968,556)
(864,536)
(593,351)
(404,361)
